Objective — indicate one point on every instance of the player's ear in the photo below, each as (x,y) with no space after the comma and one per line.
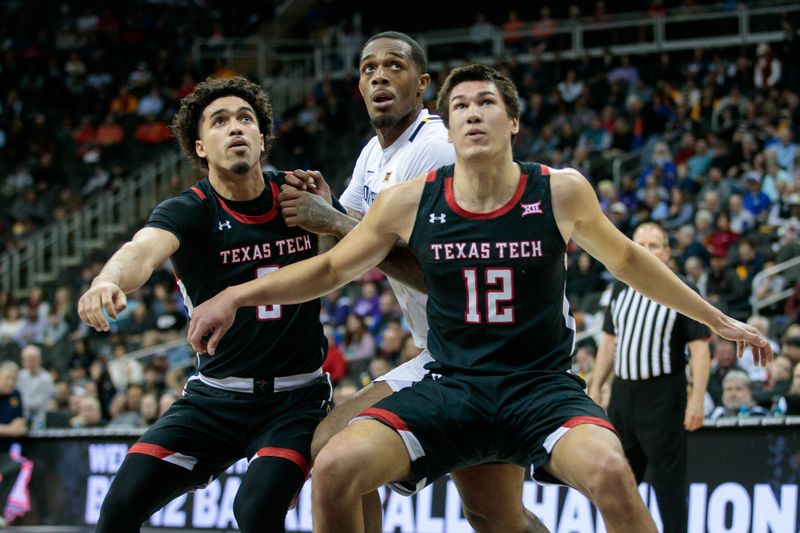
(424,82)
(514,126)
(261,141)
(199,148)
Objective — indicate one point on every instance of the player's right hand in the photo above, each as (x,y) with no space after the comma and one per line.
(102,296)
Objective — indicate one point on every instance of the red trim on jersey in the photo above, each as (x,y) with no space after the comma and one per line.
(451,201)
(544,170)
(387,417)
(199,193)
(257,219)
(431,176)
(285,453)
(593,420)
(154,450)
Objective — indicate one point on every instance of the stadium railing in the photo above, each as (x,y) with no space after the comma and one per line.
(792,265)
(111,215)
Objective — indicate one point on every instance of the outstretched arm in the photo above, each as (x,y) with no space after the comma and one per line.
(305,203)
(361,249)
(126,271)
(578,215)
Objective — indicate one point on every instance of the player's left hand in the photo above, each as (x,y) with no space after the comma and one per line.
(745,335)
(693,419)
(310,181)
(210,320)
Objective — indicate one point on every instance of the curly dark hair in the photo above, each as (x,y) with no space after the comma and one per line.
(186,124)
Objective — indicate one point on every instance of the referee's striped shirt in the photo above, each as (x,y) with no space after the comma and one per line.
(651,338)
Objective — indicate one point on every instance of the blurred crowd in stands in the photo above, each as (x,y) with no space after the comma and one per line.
(713,133)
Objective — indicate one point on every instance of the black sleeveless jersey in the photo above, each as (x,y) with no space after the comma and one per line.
(495,281)
(224,243)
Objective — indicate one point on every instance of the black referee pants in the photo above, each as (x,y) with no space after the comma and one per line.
(648,414)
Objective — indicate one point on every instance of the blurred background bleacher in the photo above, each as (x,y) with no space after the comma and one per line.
(686,112)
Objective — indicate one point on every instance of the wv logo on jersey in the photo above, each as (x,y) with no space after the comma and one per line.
(225,225)
(532,209)
(440,218)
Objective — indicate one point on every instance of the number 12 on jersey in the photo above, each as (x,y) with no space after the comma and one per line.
(267,312)
(501,281)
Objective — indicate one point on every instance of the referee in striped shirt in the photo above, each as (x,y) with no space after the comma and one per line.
(646,344)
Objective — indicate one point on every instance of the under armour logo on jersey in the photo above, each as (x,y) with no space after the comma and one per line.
(532,209)
(225,225)
(435,376)
(437,218)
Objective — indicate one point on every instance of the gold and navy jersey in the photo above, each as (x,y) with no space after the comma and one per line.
(495,281)
(224,243)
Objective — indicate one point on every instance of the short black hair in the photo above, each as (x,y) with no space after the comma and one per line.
(186,124)
(477,72)
(417,53)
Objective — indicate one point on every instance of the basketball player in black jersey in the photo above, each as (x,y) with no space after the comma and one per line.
(490,235)
(394,63)
(263,393)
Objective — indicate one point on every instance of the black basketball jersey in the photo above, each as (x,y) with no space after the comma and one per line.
(495,281)
(224,243)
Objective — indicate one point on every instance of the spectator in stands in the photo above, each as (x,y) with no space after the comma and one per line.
(11,326)
(35,385)
(723,362)
(543,29)
(152,131)
(571,87)
(791,348)
(512,28)
(755,201)
(391,344)
(359,344)
(767,71)
(737,397)
(123,369)
(335,363)
(720,240)
(119,414)
(681,209)
(749,262)
(584,283)
(367,304)
(786,151)
(124,103)
(768,393)
(344,390)
(109,132)
(148,410)
(481,33)
(89,414)
(696,273)
(335,308)
(165,401)
(12,427)
(152,104)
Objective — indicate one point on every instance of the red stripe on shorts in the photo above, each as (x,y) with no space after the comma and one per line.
(387,417)
(593,420)
(285,453)
(159,452)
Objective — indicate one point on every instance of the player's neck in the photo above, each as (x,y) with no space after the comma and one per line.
(485,185)
(237,187)
(387,136)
